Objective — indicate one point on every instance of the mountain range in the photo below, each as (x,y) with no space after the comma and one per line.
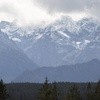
(62,42)
(85,72)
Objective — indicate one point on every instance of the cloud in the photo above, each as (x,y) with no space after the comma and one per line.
(35,11)
(23,11)
(94,10)
(64,5)
(90,8)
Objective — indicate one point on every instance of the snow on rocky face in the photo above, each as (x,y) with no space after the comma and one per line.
(61,42)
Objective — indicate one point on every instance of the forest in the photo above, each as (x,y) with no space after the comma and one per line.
(50,91)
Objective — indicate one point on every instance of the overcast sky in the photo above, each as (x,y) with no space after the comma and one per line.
(35,11)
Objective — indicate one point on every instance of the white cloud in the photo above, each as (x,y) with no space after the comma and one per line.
(23,11)
(75,8)
(35,11)
(94,10)
(64,5)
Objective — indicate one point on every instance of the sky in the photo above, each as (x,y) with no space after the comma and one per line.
(26,12)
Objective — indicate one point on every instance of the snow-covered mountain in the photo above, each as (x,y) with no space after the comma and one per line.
(62,42)
(13,61)
(85,72)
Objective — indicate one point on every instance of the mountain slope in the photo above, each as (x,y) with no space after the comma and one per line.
(12,60)
(62,42)
(85,72)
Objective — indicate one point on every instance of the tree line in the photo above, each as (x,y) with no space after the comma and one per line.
(51,91)
(48,92)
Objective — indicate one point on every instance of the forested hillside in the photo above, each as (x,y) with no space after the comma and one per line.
(50,91)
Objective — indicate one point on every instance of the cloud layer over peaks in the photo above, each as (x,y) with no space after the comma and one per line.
(34,11)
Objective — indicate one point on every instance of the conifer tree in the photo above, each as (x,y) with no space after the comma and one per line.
(54,92)
(45,92)
(73,93)
(97,91)
(89,92)
(3,91)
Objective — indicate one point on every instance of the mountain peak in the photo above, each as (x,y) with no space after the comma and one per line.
(70,41)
